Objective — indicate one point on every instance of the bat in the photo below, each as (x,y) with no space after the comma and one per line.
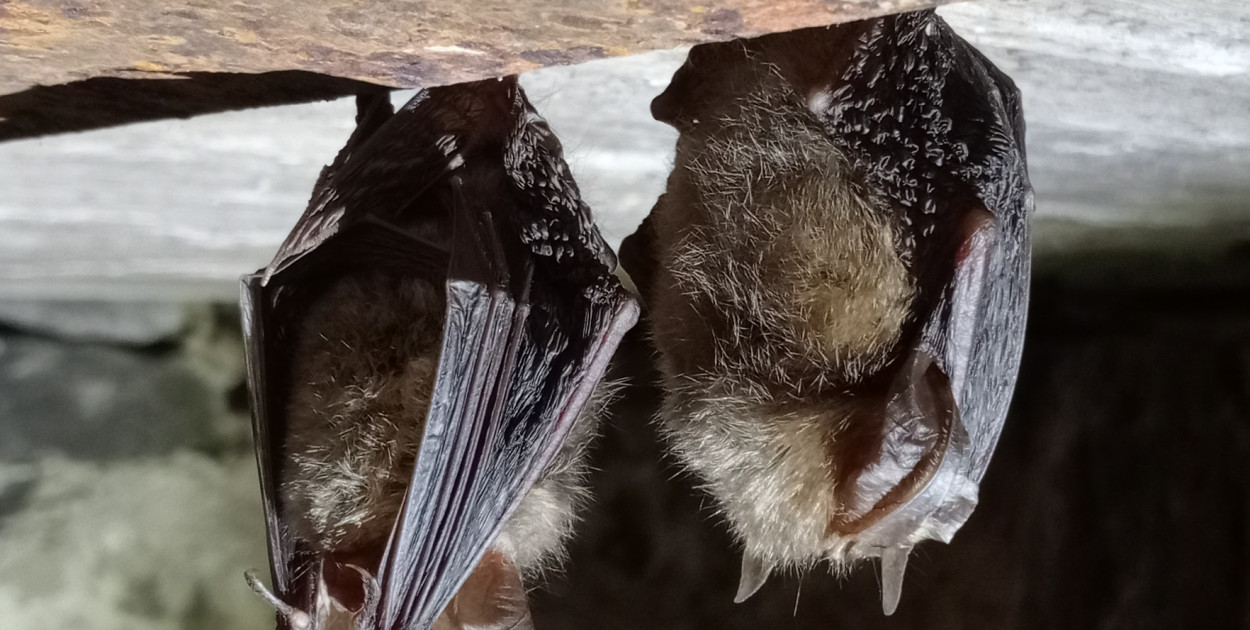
(427,337)
(835,281)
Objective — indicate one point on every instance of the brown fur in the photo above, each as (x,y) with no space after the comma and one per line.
(779,289)
(767,238)
(363,370)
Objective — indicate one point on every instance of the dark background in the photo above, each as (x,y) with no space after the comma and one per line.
(1118,496)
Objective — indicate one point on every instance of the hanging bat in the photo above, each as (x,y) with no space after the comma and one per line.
(835,280)
(418,351)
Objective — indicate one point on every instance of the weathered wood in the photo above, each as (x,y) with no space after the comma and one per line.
(69,65)
(398,43)
(1138,138)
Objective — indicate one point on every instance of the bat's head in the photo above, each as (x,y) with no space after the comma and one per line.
(716,75)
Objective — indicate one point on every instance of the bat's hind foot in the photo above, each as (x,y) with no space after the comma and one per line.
(296,618)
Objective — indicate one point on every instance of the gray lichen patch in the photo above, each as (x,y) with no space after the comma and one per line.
(151,543)
(128,492)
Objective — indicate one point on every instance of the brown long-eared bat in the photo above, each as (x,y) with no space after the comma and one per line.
(835,281)
(424,354)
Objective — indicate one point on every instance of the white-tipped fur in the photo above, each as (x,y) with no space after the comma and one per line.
(779,278)
(361,376)
(535,535)
(363,371)
(766,229)
(770,473)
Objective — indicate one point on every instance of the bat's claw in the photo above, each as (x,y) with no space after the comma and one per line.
(373,598)
(893,565)
(296,618)
(755,571)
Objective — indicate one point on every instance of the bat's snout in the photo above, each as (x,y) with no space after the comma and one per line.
(665,107)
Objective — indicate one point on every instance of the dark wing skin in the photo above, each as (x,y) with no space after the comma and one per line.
(465,184)
(938,130)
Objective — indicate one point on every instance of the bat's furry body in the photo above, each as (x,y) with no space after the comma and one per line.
(835,279)
(424,358)
(787,287)
(363,370)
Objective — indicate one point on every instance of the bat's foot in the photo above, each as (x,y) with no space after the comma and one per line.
(295,618)
(755,572)
(893,565)
(367,614)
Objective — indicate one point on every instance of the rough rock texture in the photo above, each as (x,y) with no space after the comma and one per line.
(128,492)
(91,401)
(1135,116)
(410,43)
(152,543)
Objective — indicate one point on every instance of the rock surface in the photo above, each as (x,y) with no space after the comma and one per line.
(128,492)
(398,44)
(1137,128)
(150,543)
(129,323)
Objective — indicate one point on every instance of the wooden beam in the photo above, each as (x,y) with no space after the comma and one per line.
(396,43)
(71,65)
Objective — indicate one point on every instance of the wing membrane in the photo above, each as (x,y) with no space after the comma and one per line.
(965,117)
(522,349)
(465,184)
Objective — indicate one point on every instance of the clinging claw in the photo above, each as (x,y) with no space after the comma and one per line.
(296,618)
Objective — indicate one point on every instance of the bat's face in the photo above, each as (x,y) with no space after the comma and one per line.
(837,302)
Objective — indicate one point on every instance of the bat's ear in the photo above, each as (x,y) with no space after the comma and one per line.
(493,598)
(677,103)
(712,73)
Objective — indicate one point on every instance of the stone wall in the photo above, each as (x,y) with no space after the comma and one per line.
(1117,499)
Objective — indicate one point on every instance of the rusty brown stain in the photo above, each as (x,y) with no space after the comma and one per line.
(31,27)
